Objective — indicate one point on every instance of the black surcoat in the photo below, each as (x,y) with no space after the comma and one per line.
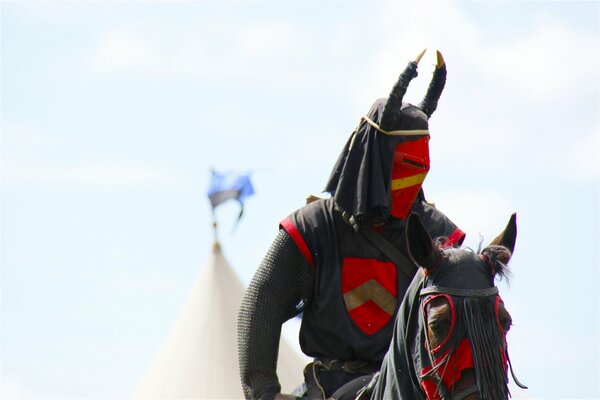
(357,289)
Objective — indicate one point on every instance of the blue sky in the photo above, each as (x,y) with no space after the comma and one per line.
(113,113)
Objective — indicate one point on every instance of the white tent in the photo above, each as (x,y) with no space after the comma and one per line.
(199,357)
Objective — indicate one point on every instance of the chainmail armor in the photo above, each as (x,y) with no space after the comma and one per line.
(279,290)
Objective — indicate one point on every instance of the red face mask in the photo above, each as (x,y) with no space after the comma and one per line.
(411,164)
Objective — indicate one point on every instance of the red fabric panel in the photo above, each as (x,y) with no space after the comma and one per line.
(459,361)
(296,236)
(456,238)
(369,317)
(357,271)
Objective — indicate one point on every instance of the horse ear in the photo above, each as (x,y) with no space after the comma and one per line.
(508,237)
(419,243)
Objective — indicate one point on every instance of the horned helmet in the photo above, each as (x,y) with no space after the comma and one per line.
(384,163)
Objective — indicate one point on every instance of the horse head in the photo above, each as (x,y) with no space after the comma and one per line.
(450,335)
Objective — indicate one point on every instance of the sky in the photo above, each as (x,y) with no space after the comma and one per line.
(113,114)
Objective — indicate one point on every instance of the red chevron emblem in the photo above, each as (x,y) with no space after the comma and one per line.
(370,292)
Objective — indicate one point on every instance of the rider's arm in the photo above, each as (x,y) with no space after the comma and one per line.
(282,282)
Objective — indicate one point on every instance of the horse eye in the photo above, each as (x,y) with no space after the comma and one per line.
(439,327)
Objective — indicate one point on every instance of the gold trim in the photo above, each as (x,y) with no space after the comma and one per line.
(402,183)
(413,132)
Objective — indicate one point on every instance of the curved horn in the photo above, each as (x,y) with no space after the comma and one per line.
(429,103)
(391,109)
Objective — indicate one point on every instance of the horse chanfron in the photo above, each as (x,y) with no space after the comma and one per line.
(450,336)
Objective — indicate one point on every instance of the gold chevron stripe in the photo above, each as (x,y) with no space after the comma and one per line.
(374,291)
(409,181)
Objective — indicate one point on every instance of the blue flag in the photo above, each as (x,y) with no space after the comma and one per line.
(226,186)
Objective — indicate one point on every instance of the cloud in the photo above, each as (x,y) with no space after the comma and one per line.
(95,174)
(271,39)
(539,345)
(214,51)
(547,59)
(22,138)
(12,388)
(28,158)
(580,161)
(263,52)
(120,51)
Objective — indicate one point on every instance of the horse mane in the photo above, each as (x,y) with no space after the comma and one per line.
(496,256)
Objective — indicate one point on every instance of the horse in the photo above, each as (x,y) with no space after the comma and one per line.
(449,340)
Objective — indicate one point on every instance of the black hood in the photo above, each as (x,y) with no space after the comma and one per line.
(360,180)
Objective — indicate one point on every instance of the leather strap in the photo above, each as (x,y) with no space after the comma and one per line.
(352,366)
(460,292)
(390,251)
(403,264)
(465,392)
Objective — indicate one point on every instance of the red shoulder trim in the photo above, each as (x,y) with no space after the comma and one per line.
(296,236)
(456,238)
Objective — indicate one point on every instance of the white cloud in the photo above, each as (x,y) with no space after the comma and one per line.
(581,162)
(253,52)
(273,39)
(11,388)
(540,345)
(120,51)
(249,51)
(548,59)
(21,138)
(27,159)
(95,174)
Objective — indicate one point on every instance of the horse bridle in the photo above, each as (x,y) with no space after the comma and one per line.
(472,293)
(459,292)
(444,392)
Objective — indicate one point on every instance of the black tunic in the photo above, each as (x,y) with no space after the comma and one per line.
(357,289)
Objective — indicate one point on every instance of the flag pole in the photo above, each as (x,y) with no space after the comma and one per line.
(216,245)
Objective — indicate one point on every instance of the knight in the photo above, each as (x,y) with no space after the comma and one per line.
(342,261)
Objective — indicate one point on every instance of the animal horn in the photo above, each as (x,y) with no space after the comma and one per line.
(429,103)
(508,237)
(391,109)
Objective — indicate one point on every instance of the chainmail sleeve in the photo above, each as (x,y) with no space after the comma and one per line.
(280,288)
